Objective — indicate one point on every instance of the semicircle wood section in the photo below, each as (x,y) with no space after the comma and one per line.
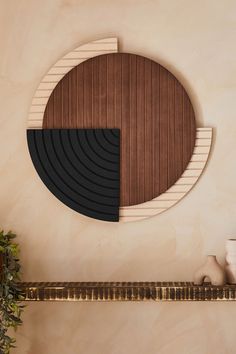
(149,106)
(179,190)
(59,70)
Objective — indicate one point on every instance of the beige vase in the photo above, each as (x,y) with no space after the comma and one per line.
(212,270)
(230,268)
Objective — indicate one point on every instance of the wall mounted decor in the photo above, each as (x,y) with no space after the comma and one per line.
(113,135)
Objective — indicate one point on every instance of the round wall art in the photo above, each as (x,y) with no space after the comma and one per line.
(113,135)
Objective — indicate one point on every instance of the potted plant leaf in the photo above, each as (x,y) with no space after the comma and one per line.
(10,293)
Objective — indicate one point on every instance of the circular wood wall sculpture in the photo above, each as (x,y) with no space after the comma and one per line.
(115,135)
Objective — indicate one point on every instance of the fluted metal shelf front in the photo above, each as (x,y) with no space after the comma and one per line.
(126,291)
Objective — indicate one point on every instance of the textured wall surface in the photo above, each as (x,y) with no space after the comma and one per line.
(194,40)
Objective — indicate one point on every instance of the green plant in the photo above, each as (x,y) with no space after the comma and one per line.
(10,294)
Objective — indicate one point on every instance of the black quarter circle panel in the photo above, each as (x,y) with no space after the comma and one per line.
(81,167)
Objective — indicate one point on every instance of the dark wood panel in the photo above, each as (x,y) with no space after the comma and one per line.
(146,102)
(148,165)
(172,175)
(156,127)
(133,155)
(140,184)
(87,91)
(125,114)
(180,129)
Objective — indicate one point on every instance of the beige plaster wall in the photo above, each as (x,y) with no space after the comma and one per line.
(196,41)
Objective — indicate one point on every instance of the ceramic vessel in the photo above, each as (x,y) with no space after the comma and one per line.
(212,270)
(230,268)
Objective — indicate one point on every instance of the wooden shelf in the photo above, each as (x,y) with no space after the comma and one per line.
(126,291)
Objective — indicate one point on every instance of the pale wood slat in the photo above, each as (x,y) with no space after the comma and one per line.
(199,157)
(109,40)
(168,196)
(192,173)
(131,218)
(186,180)
(203,142)
(85,54)
(154,203)
(70,63)
(42,93)
(201,150)
(204,134)
(178,188)
(141,212)
(196,165)
(204,129)
(34,124)
(47,85)
(37,109)
(92,46)
(39,101)
(60,70)
(52,78)
(36,116)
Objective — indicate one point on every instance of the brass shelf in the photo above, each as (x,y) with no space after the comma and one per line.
(126,291)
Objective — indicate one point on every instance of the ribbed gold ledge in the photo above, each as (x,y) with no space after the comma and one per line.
(126,291)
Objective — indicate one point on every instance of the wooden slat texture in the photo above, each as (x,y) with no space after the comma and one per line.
(163,132)
(138,212)
(146,102)
(126,291)
(172,173)
(57,72)
(181,187)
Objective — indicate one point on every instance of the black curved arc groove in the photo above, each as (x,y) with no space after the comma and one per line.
(46,178)
(115,132)
(85,154)
(111,149)
(63,178)
(110,138)
(93,153)
(77,186)
(109,144)
(74,157)
(75,173)
(71,147)
(59,178)
(99,149)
